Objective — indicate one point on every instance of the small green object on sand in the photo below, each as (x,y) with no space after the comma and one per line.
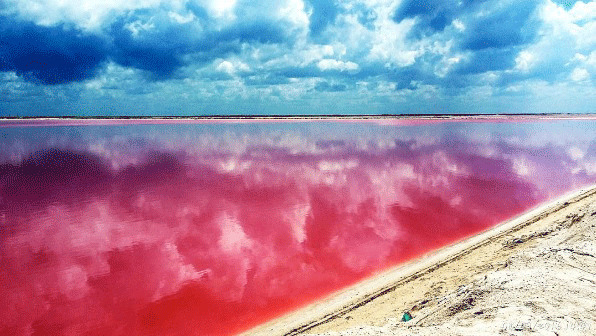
(407,316)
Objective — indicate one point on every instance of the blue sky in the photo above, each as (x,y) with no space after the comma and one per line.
(197,57)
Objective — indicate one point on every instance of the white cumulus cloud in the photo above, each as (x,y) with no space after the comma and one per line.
(331,64)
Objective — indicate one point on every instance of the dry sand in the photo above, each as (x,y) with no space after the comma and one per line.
(533,275)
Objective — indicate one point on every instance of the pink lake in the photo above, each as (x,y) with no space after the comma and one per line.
(211,228)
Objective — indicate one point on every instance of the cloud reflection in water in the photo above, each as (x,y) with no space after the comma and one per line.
(208,229)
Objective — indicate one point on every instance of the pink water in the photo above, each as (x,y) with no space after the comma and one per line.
(211,229)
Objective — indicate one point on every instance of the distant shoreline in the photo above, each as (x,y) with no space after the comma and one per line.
(397,119)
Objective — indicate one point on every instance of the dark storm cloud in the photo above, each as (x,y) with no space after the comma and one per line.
(169,45)
(432,16)
(493,34)
(404,77)
(324,12)
(510,26)
(49,55)
(142,39)
(509,23)
(158,51)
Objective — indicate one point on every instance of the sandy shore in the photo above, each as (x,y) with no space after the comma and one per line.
(535,274)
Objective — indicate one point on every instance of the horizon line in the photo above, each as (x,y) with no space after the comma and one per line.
(301,116)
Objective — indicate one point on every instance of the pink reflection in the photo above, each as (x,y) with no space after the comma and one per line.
(211,243)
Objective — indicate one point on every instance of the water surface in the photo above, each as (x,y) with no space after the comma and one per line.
(209,228)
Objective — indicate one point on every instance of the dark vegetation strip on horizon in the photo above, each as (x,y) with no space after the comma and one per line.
(303,116)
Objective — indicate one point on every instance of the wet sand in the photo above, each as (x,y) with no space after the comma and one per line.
(535,274)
